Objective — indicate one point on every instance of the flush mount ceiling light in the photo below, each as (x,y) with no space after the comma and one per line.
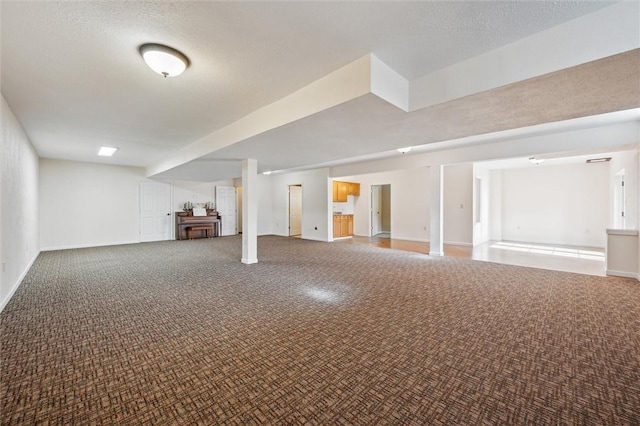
(164,60)
(267,172)
(107,151)
(404,150)
(535,160)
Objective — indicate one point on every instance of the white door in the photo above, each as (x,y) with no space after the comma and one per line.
(226,207)
(155,211)
(295,210)
(376,206)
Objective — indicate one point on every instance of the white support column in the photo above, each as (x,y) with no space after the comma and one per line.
(249,211)
(436,202)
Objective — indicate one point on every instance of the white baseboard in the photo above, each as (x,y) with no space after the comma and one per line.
(15,286)
(77,246)
(249,261)
(457,243)
(302,237)
(315,239)
(625,274)
(418,240)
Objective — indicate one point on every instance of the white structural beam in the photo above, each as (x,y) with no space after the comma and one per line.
(606,32)
(545,139)
(342,85)
(249,211)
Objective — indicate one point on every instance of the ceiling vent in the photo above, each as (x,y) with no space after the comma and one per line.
(598,160)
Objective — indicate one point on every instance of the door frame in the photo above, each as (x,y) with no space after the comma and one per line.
(289,209)
(376,219)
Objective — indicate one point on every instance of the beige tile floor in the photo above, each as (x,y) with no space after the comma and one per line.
(582,260)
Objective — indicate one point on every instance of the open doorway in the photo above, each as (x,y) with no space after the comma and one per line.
(239,208)
(295,210)
(381,211)
(619,201)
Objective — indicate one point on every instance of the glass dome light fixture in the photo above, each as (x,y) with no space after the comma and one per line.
(164,60)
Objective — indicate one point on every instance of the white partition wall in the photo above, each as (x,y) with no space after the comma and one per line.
(19,210)
(86,205)
(315,203)
(458,204)
(565,204)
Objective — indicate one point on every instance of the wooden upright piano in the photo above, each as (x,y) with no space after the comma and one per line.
(186,220)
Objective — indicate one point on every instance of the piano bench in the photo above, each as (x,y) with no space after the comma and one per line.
(208,231)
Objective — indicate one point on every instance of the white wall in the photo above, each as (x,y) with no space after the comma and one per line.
(85,204)
(409,203)
(481,224)
(347,207)
(565,204)
(265,205)
(458,204)
(316,203)
(622,253)
(195,192)
(630,162)
(19,226)
(495,205)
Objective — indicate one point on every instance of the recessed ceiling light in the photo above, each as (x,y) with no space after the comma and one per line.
(404,150)
(164,60)
(107,151)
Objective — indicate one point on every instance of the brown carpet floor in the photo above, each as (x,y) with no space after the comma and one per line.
(181,332)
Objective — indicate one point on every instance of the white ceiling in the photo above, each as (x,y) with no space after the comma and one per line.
(72,74)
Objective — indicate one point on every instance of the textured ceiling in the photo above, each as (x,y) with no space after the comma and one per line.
(72,74)
(362,126)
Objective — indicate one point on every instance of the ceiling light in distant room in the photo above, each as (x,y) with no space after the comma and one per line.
(107,151)
(598,160)
(404,150)
(164,60)
(535,160)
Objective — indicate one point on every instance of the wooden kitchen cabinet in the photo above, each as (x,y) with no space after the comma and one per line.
(343,189)
(336,226)
(342,225)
